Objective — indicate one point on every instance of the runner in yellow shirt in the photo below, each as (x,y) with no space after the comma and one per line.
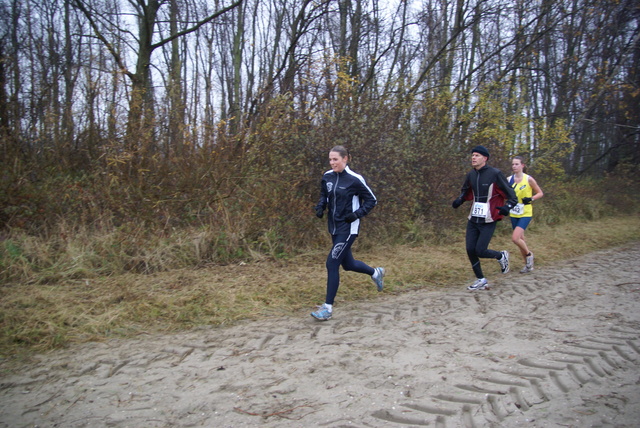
(527,191)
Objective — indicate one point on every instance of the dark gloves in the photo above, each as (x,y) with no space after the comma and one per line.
(350,218)
(527,201)
(455,204)
(504,210)
(319,212)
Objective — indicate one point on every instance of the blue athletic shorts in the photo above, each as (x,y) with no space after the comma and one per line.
(522,222)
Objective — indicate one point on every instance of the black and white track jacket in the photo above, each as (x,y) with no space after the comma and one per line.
(343,193)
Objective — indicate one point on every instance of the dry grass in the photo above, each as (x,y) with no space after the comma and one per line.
(35,318)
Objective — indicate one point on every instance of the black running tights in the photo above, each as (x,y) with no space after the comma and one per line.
(478,237)
(340,255)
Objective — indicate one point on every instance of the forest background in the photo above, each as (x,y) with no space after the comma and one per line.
(145,136)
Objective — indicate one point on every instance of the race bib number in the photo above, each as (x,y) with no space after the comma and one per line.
(480,209)
(517,210)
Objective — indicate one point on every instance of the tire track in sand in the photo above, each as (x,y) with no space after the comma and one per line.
(567,365)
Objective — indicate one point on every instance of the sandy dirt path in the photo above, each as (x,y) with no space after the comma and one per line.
(559,347)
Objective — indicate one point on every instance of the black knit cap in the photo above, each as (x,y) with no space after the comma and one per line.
(482,150)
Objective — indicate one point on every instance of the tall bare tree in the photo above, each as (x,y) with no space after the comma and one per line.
(141,118)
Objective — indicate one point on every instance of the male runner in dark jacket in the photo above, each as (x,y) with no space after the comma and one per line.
(492,199)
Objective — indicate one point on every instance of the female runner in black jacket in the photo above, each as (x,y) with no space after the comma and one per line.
(348,198)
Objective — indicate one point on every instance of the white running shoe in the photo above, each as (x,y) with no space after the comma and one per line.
(529,262)
(480,284)
(322,313)
(379,280)
(504,262)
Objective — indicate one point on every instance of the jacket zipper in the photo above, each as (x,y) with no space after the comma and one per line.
(335,203)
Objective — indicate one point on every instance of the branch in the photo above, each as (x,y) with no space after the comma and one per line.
(460,27)
(602,156)
(78,4)
(301,23)
(197,26)
(597,98)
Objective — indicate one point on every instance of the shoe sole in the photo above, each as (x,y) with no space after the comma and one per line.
(484,286)
(320,319)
